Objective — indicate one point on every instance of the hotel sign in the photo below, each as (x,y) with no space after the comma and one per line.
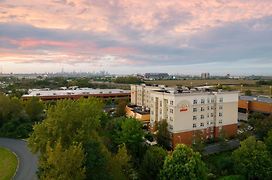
(184,108)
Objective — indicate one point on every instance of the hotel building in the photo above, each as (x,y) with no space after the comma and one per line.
(190,111)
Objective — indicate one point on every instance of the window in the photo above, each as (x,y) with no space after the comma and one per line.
(195,101)
(220,107)
(202,101)
(202,116)
(208,100)
(220,121)
(194,125)
(171,111)
(194,118)
(208,122)
(201,124)
(208,115)
(211,107)
(208,107)
(152,112)
(211,114)
(194,109)
(160,111)
(160,103)
(170,118)
(171,103)
(221,99)
(202,109)
(170,127)
(220,114)
(212,100)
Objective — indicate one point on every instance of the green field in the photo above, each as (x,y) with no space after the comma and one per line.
(8,164)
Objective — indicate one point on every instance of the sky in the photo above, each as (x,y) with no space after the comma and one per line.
(136,36)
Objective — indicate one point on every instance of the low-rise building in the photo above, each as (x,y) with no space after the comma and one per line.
(76,93)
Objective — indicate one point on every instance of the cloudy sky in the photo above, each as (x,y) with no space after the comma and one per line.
(130,36)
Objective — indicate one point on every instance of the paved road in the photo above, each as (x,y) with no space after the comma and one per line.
(215,148)
(27,161)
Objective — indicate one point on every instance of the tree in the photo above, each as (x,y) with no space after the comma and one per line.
(268,141)
(248,92)
(63,164)
(185,164)
(252,159)
(152,162)
(120,164)
(198,141)
(163,135)
(121,108)
(72,122)
(261,124)
(34,108)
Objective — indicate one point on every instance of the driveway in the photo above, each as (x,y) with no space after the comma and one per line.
(28,163)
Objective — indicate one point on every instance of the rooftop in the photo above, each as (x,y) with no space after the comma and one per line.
(256,98)
(78,91)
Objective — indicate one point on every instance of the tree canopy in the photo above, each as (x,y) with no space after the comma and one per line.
(183,163)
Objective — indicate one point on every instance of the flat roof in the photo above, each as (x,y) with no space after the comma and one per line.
(256,98)
(79,91)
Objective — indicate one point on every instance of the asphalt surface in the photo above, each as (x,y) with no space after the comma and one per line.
(216,148)
(28,163)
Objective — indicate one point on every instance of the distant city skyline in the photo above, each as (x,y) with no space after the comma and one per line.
(129,36)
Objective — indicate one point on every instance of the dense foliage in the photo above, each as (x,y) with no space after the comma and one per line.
(185,164)
(17,117)
(128,80)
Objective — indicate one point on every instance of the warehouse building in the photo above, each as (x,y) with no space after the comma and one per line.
(76,93)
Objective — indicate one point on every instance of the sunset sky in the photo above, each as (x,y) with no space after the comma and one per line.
(137,36)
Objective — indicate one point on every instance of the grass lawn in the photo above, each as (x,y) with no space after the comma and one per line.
(8,164)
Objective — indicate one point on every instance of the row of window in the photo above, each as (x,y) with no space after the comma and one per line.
(220,114)
(208,123)
(202,101)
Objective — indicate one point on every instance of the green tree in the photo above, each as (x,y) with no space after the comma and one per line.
(63,164)
(73,122)
(248,92)
(252,159)
(152,163)
(34,108)
(163,135)
(198,141)
(261,124)
(185,164)
(120,164)
(121,108)
(268,141)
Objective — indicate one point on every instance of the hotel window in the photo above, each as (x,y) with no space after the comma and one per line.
(195,101)
(194,118)
(194,125)
(194,109)
(202,124)
(152,112)
(208,107)
(221,99)
(211,122)
(202,109)
(220,107)
(211,107)
(171,102)
(208,122)
(202,101)
(171,111)
(170,127)
(170,118)
(208,100)
(160,103)
(212,100)
(220,114)
(220,121)
(211,114)
(160,111)
(208,115)
(202,117)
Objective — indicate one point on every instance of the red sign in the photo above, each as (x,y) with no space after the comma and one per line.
(184,108)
